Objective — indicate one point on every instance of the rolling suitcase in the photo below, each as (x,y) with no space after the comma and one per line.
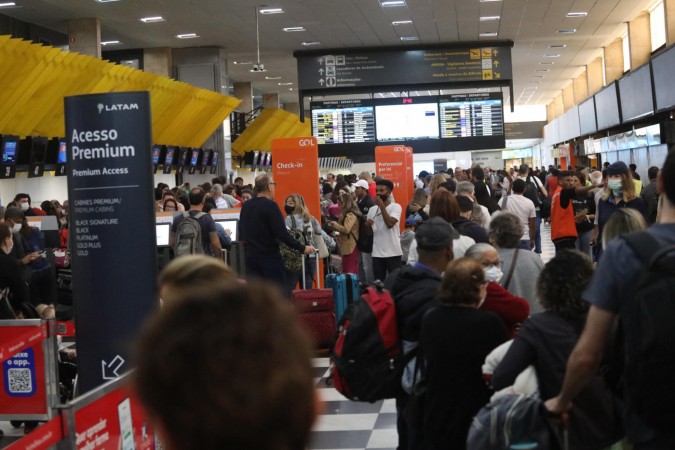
(316,308)
(345,290)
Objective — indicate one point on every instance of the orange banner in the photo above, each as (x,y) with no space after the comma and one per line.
(411,175)
(392,163)
(295,169)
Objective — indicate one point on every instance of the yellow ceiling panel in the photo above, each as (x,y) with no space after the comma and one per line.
(270,124)
(34,80)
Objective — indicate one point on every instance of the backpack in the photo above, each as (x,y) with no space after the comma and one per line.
(461,228)
(367,358)
(364,243)
(513,421)
(532,192)
(649,336)
(292,257)
(189,235)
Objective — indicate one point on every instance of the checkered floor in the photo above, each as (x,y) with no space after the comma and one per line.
(351,425)
(547,247)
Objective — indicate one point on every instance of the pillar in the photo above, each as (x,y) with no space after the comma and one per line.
(614,61)
(669,6)
(568,97)
(580,88)
(158,61)
(558,104)
(550,112)
(292,108)
(270,100)
(594,75)
(84,36)
(244,92)
(640,40)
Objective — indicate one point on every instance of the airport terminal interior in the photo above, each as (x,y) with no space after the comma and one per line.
(337,224)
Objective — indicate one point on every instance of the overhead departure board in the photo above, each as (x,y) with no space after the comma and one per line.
(343,122)
(471,115)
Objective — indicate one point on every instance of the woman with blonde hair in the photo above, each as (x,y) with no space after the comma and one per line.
(348,227)
(415,210)
(619,193)
(623,221)
(436,181)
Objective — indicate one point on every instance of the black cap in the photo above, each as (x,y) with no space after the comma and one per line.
(617,168)
(435,234)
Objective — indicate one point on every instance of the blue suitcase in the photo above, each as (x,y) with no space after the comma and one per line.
(345,290)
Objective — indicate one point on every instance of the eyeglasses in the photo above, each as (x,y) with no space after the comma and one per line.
(273,184)
(490,265)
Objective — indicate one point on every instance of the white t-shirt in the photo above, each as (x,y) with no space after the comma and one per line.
(419,184)
(523,208)
(459,248)
(386,241)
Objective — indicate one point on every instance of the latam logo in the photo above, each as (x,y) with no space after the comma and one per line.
(407,100)
(119,107)
(306,142)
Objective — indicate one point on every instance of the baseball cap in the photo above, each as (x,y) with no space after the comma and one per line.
(617,168)
(362,184)
(435,234)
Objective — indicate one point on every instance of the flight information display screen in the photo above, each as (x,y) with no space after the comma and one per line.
(471,115)
(343,122)
(406,119)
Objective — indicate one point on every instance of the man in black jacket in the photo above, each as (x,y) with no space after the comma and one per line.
(413,289)
(465,226)
(262,228)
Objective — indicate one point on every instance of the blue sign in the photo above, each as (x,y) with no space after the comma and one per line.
(19,373)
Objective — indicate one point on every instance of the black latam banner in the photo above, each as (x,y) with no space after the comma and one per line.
(112,227)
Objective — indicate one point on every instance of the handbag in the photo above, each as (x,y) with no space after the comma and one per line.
(321,246)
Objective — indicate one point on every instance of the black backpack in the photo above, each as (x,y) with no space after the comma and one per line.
(364,243)
(649,335)
(532,192)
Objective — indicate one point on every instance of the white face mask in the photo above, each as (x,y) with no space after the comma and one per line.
(494,274)
(17,227)
(24,206)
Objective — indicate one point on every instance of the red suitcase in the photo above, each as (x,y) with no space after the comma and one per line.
(317,314)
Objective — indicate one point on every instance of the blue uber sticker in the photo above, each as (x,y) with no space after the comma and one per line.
(19,374)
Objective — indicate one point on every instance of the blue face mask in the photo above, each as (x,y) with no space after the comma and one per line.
(615,186)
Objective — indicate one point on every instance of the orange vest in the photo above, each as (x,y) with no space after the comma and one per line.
(562,220)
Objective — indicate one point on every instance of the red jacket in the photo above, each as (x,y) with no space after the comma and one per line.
(511,309)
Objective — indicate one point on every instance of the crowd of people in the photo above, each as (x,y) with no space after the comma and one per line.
(476,305)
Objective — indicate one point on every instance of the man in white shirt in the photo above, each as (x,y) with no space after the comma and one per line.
(223,201)
(330,179)
(419,182)
(467,189)
(523,208)
(383,224)
(523,174)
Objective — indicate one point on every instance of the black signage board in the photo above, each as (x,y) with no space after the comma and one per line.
(112,228)
(440,165)
(213,170)
(179,170)
(203,169)
(382,67)
(192,170)
(60,170)
(525,130)
(36,170)
(167,169)
(7,171)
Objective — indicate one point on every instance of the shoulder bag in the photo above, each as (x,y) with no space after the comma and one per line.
(513,267)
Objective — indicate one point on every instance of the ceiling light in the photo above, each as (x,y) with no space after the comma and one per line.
(187,36)
(490,0)
(402,22)
(654,6)
(7,5)
(543,70)
(545,63)
(410,38)
(577,14)
(294,29)
(538,76)
(242,63)
(272,11)
(290,89)
(573,30)
(307,44)
(557,46)
(535,82)
(389,3)
(483,89)
(285,84)
(486,18)
(110,43)
(106,1)
(488,34)
(152,19)
(551,56)
(273,78)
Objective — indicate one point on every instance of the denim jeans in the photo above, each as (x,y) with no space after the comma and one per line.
(293,278)
(524,244)
(537,237)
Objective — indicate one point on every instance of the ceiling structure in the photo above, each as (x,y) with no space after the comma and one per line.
(532,24)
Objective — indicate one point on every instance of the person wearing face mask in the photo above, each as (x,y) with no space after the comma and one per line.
(299,218)
(14,218)
(383,225)
(546,341)
(619,193)
(511,309)
(23,201)
(413,289)
(10,277)
(456,338)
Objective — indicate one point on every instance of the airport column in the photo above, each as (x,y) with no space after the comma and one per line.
(669,5)
(614,61)
(158,61)
(558,103)
(244,91)
(270,100)
(640,40)
(594,75)
(293,108)
(568,97)
(550,112)
(580,88)
(84,36)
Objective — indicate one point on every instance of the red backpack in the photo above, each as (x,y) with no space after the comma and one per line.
(368,359)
